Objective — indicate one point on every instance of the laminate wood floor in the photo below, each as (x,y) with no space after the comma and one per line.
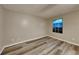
(42,46)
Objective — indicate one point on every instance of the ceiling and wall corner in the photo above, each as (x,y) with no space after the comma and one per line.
(36,14)
(42,10)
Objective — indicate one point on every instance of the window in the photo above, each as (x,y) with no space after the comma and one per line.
(57,25)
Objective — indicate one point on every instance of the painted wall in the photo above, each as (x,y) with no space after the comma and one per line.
(1,28)
(70,30)
(20,27)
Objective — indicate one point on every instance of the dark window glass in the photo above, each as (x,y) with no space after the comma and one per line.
(58,25)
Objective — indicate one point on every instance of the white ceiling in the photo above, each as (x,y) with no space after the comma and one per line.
(42,10)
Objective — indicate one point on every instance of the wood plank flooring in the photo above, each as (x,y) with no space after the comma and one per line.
(42,46)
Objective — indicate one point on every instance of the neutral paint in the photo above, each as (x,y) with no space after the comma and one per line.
(21,27)
(43,10)
(70,30)
(1,28)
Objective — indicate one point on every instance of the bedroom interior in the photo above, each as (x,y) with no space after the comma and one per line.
(39,29)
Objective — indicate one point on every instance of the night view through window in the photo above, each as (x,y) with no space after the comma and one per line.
(58,25)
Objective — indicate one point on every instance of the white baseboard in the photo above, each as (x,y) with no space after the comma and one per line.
(64,40)
(38,38)
(1,49)
(20,42)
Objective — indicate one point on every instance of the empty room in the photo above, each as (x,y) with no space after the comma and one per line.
(39,29)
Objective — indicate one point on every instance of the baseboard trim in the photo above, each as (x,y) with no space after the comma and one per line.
(64,40)
(1,50)
(21,42)
(38,38)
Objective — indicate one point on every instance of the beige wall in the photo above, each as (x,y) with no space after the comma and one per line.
(71,28)
(1,28)
(20,27)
